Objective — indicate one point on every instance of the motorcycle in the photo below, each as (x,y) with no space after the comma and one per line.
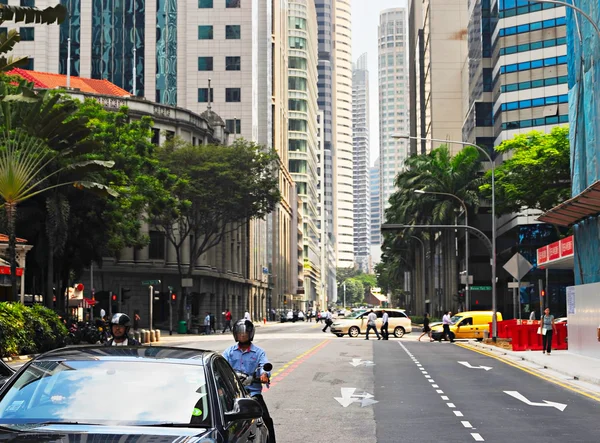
(248,379)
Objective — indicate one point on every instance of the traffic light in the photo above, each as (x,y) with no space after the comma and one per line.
(173,298)
(114,298)
(124,295)
(543,293)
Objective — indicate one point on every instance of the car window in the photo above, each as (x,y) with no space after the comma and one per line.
(228,386)
(379,314)
(396,314)
(63,390)
(467,321)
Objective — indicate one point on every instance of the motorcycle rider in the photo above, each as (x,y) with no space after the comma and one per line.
(248,358)
(119,327)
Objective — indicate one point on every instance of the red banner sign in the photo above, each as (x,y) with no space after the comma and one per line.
(557,250)
(5,270)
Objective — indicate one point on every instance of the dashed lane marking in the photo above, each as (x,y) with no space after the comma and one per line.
(466,424)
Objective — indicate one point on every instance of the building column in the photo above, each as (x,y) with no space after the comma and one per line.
(142,255)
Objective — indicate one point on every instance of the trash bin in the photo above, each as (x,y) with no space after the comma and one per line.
(182,327)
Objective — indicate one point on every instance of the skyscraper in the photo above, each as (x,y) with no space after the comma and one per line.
(343,133)
(376,212)
(362,198)
(393,98)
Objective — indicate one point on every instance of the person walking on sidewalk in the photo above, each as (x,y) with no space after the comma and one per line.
(426,328)
(384,325)
(548,328)
(227,321)
(327,317)
(372,324)
(207,323)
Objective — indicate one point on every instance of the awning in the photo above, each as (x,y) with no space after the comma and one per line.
(585,204)
(557,255)
(380,297)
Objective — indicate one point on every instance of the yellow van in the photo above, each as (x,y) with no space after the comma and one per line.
(470,324)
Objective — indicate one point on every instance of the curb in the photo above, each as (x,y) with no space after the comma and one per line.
(504,352)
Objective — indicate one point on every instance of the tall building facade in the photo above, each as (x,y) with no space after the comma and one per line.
(376,213)
(343,127)
(303,141)
(225,55)
(362,198)
(441,40)
(393,98)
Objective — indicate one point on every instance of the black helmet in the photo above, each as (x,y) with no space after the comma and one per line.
(122,320)
(243,327)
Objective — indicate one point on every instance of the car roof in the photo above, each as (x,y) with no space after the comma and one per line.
(132,353)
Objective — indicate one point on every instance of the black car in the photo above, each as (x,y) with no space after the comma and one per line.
(157,394)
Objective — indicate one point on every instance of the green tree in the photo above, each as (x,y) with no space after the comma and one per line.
(220,189)
(537,174)
(355,291)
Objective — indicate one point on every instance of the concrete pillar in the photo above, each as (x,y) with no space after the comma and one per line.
(141,255)
(127,255)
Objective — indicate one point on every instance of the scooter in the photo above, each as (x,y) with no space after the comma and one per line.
(248,379)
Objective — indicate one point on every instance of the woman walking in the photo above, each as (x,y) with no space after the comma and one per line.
(426,328)
(548,328)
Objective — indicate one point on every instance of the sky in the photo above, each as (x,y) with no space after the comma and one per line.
(365,19)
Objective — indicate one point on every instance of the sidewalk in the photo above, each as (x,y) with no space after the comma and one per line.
(574,367)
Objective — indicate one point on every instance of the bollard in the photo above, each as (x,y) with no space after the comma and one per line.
(136,336)
(142,336)
(146,336)
(157,334)
(152,340)
(265,320)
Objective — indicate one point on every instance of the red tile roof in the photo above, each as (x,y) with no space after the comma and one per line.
(47,80)
(4,239)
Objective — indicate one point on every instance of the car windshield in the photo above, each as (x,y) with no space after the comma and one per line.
(456,318)
(108,392)
(355,314)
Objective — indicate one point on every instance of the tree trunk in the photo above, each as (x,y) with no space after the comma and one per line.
(11,212)
(49,295)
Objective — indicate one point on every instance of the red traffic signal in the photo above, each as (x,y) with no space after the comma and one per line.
(543,293)
(173,297)
(114,297)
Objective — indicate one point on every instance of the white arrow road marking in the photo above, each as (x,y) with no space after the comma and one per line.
(468,365)
(348,397)
(357,362)
(550,404)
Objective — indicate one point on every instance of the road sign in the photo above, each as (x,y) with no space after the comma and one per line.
(480,288)
(515,284)
(518,266)
(170,288)
(468,365)
(348,397)
(151,282)
(548,404)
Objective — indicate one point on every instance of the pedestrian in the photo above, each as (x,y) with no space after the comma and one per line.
(207,323)
(372,324)
(318,317)
(247,316)
(384,325)
(136,321)
(327,319)
(532,315)
(548,328)
(227,321)
(426,328)
(213,322)
(446,322)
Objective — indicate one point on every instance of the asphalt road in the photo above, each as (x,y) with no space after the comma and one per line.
(330,389)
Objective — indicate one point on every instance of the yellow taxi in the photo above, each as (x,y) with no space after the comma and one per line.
(466,325)
(356,323)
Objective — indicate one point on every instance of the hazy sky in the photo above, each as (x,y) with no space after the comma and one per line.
(365,19)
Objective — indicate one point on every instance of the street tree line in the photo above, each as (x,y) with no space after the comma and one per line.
(535,174)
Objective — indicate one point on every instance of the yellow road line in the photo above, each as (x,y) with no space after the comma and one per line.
(285,366)
(529,371)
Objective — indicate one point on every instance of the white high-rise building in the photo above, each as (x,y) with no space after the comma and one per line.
(393,98)
(343,133)
(376,212)
(360,123)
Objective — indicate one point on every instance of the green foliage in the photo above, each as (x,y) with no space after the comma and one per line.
(357,285)
(29,330)
(537,174)
(355,292)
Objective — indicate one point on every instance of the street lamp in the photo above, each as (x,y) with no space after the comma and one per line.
(493,260)
(464,206)
(422,263)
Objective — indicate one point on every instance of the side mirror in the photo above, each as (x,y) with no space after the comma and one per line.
(244,409)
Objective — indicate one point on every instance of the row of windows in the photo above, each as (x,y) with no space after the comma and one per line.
(231,95)
(535,45)
(27,34)
(554,120)
(228,3)
(231,63)
(535,102)
(533,64)
(510,8)
(527,27)
(534,84)
(232,32)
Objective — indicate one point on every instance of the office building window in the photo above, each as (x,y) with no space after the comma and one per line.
(229,125)
(297,83)
(233,63)
(205,32)
(297,63)
(233,32)
(27,34)
(297,23)
(203,95)
(297,125)
(233,95)
(3,29)
(297,42)
(28,3)
(29,65)
(156,248)
(205,4)
(205,63)
(232,3)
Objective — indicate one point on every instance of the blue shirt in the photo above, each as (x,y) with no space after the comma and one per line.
(248,362)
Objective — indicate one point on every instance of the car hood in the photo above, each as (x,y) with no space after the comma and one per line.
(65,433)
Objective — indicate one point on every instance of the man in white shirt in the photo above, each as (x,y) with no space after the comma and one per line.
(247,316)
(446,322)
(327,317)
(384,325)
(372,324)
(207,324)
